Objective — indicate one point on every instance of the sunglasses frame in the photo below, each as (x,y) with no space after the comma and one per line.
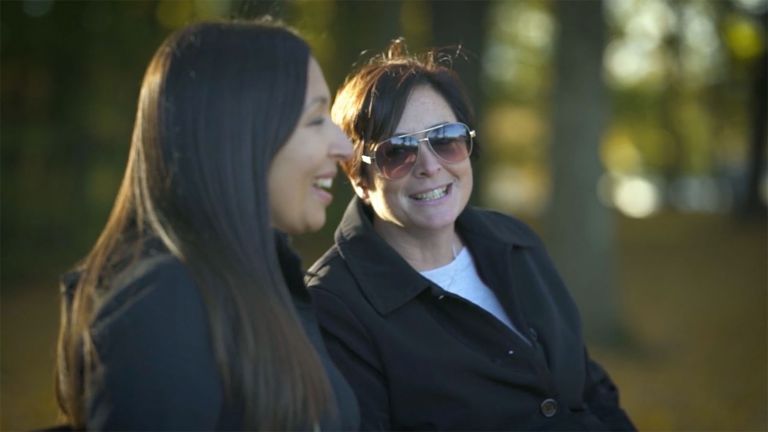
(369,159)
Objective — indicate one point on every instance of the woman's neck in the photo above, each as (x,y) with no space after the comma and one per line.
(422,249)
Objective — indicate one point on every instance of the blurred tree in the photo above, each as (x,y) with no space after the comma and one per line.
(580,229)
(360,30)
(668,116)
(65,130)
(756,172)
(343,35)
(516,77)
(462,24)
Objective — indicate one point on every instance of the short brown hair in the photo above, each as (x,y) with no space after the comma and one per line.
(370,103)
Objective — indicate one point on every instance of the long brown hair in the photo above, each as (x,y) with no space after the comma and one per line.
(217,102)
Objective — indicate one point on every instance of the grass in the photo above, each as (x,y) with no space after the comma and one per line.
(694,300)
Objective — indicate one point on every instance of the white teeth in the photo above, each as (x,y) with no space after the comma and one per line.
(431,195)
(323,183)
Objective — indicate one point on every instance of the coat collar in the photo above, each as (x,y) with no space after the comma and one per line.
(387,280)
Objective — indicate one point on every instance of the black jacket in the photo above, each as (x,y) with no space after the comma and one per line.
(157,369)
(421,358)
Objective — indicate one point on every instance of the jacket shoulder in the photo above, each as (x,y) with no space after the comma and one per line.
(330,272)
(152,339)
(501,225)
(151,289)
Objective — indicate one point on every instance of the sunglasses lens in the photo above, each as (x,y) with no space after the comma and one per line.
(451,142)
(396,156)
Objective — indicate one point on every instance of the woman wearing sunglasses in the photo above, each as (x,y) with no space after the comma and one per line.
(440,315)
(190,311)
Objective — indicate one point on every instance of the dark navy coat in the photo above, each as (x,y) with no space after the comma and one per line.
(157,369)
(421,358)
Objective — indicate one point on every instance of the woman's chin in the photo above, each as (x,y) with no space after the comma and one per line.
(316,223)
(435,222)
(305,226)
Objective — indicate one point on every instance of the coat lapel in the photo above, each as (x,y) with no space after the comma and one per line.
(384,277)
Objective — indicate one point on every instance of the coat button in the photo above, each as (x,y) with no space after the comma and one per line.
(549,407)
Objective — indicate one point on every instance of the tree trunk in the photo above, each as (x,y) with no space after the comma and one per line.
(580,228)
(464,23)
(753,205)
(360,29)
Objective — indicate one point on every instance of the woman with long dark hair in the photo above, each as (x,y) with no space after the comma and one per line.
(190,311)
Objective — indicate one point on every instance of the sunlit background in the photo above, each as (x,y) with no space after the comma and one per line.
(631,134)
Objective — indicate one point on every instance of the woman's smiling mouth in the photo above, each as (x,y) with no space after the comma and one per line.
(322,186)
(323,183)
(433,194)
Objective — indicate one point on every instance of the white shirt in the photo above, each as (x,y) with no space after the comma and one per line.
(460,277)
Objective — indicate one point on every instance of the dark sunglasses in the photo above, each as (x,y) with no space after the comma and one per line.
(396,156)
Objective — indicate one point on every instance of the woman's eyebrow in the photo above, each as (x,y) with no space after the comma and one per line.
(426,128)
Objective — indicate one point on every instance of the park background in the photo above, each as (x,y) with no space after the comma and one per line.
(630,134)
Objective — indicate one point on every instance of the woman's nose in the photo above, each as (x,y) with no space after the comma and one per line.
(427,164)
(341,146)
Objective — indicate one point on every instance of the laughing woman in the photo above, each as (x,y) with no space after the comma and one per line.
(190,312)
(440,315)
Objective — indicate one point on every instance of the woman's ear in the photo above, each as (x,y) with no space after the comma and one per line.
(362,192)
